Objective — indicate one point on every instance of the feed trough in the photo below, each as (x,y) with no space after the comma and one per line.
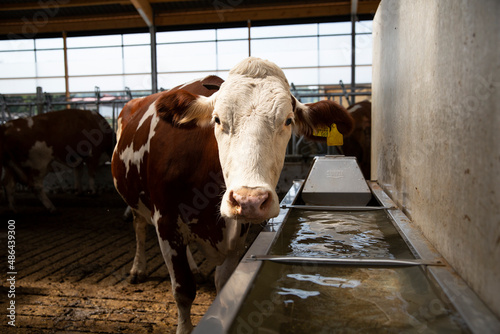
(354,268)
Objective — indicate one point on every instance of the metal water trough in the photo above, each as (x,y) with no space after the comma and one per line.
(354,267)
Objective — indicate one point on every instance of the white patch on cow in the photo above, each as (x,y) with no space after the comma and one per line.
(146,115)
(144,211)
(231,239)
(192,263)
(252,107)
(39,156)
(119,128)
(131,157)
(30,122)
(156,216)
(356,107)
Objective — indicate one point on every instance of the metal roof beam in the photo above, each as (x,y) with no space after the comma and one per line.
(145,10)
(32,25)
(36,5)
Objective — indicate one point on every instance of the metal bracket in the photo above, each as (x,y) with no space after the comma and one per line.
(366,262)
(335,208)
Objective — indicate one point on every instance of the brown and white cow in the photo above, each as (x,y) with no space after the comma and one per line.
(358,143)
(179,150)
(32,147)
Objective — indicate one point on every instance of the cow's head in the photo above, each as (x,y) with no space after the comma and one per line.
(253,114)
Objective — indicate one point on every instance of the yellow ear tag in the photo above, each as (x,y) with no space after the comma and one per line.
(334,138)
(332,134)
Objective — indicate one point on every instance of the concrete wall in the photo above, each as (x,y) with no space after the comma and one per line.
(436,127)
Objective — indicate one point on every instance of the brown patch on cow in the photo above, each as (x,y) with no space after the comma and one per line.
(358,143)
(183,177)
(171,106)
(190,179)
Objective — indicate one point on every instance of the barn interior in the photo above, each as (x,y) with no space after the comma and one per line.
(434,143)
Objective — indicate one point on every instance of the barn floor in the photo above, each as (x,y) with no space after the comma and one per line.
(72,270)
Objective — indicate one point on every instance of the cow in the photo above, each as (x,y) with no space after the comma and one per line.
(34,146)
(358,143)
(201,162)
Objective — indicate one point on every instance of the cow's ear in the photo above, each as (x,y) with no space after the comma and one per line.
(212,82)
(182,108)
(314,116)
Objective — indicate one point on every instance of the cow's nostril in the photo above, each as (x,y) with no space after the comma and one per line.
(266,199)
(232,200)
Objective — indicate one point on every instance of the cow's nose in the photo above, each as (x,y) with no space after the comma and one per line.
(251,203)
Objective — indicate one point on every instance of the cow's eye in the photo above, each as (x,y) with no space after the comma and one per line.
(288,121)
(217,120)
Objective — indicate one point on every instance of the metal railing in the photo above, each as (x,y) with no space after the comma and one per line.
(299,148)
(44,102)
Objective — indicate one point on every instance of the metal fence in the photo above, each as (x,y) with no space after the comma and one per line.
(110,104)
(27,106)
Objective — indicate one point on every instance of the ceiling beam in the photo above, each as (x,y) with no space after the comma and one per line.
(260,13)
(354,7)
(34,5)
(29,29)
(144,9)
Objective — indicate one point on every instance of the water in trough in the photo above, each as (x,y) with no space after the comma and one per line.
(312,298)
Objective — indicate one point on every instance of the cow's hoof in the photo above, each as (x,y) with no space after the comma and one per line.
(137,278)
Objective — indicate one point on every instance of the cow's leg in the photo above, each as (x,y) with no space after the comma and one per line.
(235,249)
(92,165)
(42,196)
(138,271)
(127,214)
(10,187)
(77,177)
(192,263)
(183,283)
(224,271)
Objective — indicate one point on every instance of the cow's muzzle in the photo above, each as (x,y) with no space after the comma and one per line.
(251,203)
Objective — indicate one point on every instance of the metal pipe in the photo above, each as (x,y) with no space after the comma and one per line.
(154,65)
(97,98)
(4,108)
(249,25)
(354,8)
(66,72)
(39,100)
(335,208)
(345,261)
